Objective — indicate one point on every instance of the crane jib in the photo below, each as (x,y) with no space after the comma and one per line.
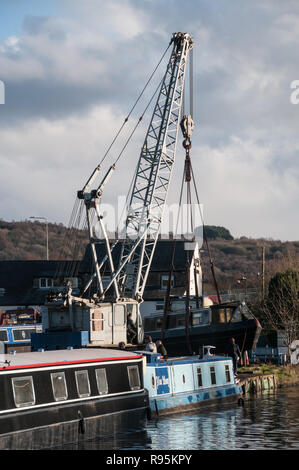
(154,172)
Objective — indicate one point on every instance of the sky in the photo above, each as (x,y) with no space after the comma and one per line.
(72,70)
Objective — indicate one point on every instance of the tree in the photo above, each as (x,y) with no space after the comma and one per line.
(281,307)
(213,232)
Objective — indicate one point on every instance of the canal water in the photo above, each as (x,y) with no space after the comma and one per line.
(268,421)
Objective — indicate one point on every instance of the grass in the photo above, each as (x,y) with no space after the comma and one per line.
(287,375)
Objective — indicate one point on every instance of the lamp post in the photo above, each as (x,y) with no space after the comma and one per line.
(245,280)
(47,233)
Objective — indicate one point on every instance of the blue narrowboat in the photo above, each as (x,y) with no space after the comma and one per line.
(16,328)
(17,337)
(189,383)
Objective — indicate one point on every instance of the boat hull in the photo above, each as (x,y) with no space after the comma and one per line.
(190,402)
(246,334)
(60,426)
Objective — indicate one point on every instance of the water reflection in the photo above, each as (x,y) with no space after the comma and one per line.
(267,422)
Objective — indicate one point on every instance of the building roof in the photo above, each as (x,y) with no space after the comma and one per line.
(161,259)
(16,278)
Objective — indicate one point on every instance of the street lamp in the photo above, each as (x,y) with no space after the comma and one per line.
(47,232)
(245,280)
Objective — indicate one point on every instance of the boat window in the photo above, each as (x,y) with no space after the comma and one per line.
(3,335)
(153,381)
(227,373)
(82,382)
(134,379)
(102,381)
(222,316)
(196,319)
(159,323)
(213,375)
(22,335)
(59,386)
(205,317)
(199,377)
(23,391)
(237,315)
(228,314)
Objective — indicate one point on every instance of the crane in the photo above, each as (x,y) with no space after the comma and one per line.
(104,317)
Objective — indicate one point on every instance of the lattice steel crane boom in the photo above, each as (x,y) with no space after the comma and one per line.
(152,178)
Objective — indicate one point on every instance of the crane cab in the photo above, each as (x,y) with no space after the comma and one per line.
(79,324)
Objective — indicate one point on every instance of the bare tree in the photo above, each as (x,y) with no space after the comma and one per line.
(281,307)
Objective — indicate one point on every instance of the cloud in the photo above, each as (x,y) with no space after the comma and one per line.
(71,78)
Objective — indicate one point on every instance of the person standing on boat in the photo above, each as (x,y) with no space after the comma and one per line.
(131,329)
(161,348)
(150,345)
(233,350)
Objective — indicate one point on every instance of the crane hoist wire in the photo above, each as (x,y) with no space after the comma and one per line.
(75,225)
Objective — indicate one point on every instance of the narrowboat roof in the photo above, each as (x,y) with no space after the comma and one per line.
(155,359)
(63,357)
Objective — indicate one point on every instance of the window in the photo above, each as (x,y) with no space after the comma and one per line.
(45,282)
(199,377)
(196,319)
(227,373)
(82,382)
(213,375)
(159,323)
(3,335)
(222,316)
(102,381)
(119,315)
(134,379)
(23,335)
(228,314)
(23,391)
(59,386)
(159,305)
(97,321)
(164,281)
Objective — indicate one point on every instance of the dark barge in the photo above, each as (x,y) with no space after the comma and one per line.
(53,398)
(215,325)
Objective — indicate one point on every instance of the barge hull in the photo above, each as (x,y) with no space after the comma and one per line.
(246,336)
(194,402)
(73,432)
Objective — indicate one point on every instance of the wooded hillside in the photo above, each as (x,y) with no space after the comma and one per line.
(233,258)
